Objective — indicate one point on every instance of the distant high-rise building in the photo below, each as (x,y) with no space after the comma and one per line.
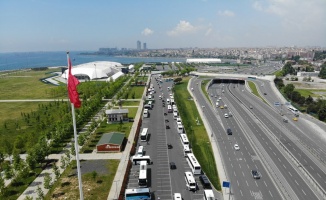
(138,45)
(144,45)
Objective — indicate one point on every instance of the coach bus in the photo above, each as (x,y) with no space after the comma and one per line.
(190,181)
(293,109)
(137,159)
(138,193)
(144,134)
(184,139)
(193,163)
(142,180)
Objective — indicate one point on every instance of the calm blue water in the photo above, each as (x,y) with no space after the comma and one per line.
(12,61)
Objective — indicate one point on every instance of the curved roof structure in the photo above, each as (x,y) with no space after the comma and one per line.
(94,70)
(203,60)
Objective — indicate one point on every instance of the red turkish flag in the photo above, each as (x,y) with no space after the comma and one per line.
(72,87)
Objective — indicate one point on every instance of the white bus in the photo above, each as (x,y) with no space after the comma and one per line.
(142,180)
(140,151)
(137,193)
(136,159)
(193,163)
(186,149)
(209,195)
(146,113)
(144,134)
(184,139)
(170,109)
(190,181)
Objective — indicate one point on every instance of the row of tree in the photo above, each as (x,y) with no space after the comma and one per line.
(317,107)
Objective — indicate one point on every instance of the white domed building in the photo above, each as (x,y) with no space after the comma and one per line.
(94,70)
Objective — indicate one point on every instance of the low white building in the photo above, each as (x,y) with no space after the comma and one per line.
(203,60)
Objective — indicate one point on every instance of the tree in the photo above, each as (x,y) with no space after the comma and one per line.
(309,100)
(40,193)
(94,175)
(17,161)
(19,143)
(288,89)
(322,73)
(8,147)
(322,113)
(56,171)
(47,181)
(177,80)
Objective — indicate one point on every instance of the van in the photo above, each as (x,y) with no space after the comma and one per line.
(205,182)
(150,103)
(177,196)
(140,151)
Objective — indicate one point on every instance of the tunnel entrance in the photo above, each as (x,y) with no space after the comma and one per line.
(228,80)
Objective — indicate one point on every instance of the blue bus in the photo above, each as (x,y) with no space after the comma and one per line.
(137,194)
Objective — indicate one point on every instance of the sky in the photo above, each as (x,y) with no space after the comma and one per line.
(84,25)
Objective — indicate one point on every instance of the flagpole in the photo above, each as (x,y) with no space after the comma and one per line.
(77,153)
(75,137)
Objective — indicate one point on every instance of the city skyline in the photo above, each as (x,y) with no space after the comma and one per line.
(34,25)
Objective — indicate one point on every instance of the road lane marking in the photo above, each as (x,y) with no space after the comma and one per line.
(304,192)
(247,183)
(265,183)
(296,182)
(290,173)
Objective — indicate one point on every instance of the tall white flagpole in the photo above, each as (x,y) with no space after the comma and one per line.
(76,143)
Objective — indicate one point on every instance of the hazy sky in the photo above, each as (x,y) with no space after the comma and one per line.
(59,25)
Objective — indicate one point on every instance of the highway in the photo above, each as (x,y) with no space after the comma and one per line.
(261,115)
(238,163)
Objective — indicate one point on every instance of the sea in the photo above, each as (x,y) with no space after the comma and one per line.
(23,60)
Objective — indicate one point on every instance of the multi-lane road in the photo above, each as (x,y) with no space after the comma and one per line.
(262,128)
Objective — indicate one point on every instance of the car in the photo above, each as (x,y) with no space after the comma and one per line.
(265,93)
(192,89)
(215,96)
(285,120)
(295,119)
(229,131)
(172,165)
(222,107)
(225,106)
(226,115)
(250,107)
(167,127)
(255,174)
(236,147)
(170,146)
(219,98)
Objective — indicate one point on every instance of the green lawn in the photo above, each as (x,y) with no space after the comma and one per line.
(138,90)
(26,85)
(196,133)
(97,188)
(254,90)
(203,88)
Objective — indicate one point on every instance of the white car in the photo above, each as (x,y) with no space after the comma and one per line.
(236,147)
(219,98)
(192,89)
(226,115)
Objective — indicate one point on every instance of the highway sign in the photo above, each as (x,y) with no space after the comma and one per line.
(226,184)
(277,103)
(287,103)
